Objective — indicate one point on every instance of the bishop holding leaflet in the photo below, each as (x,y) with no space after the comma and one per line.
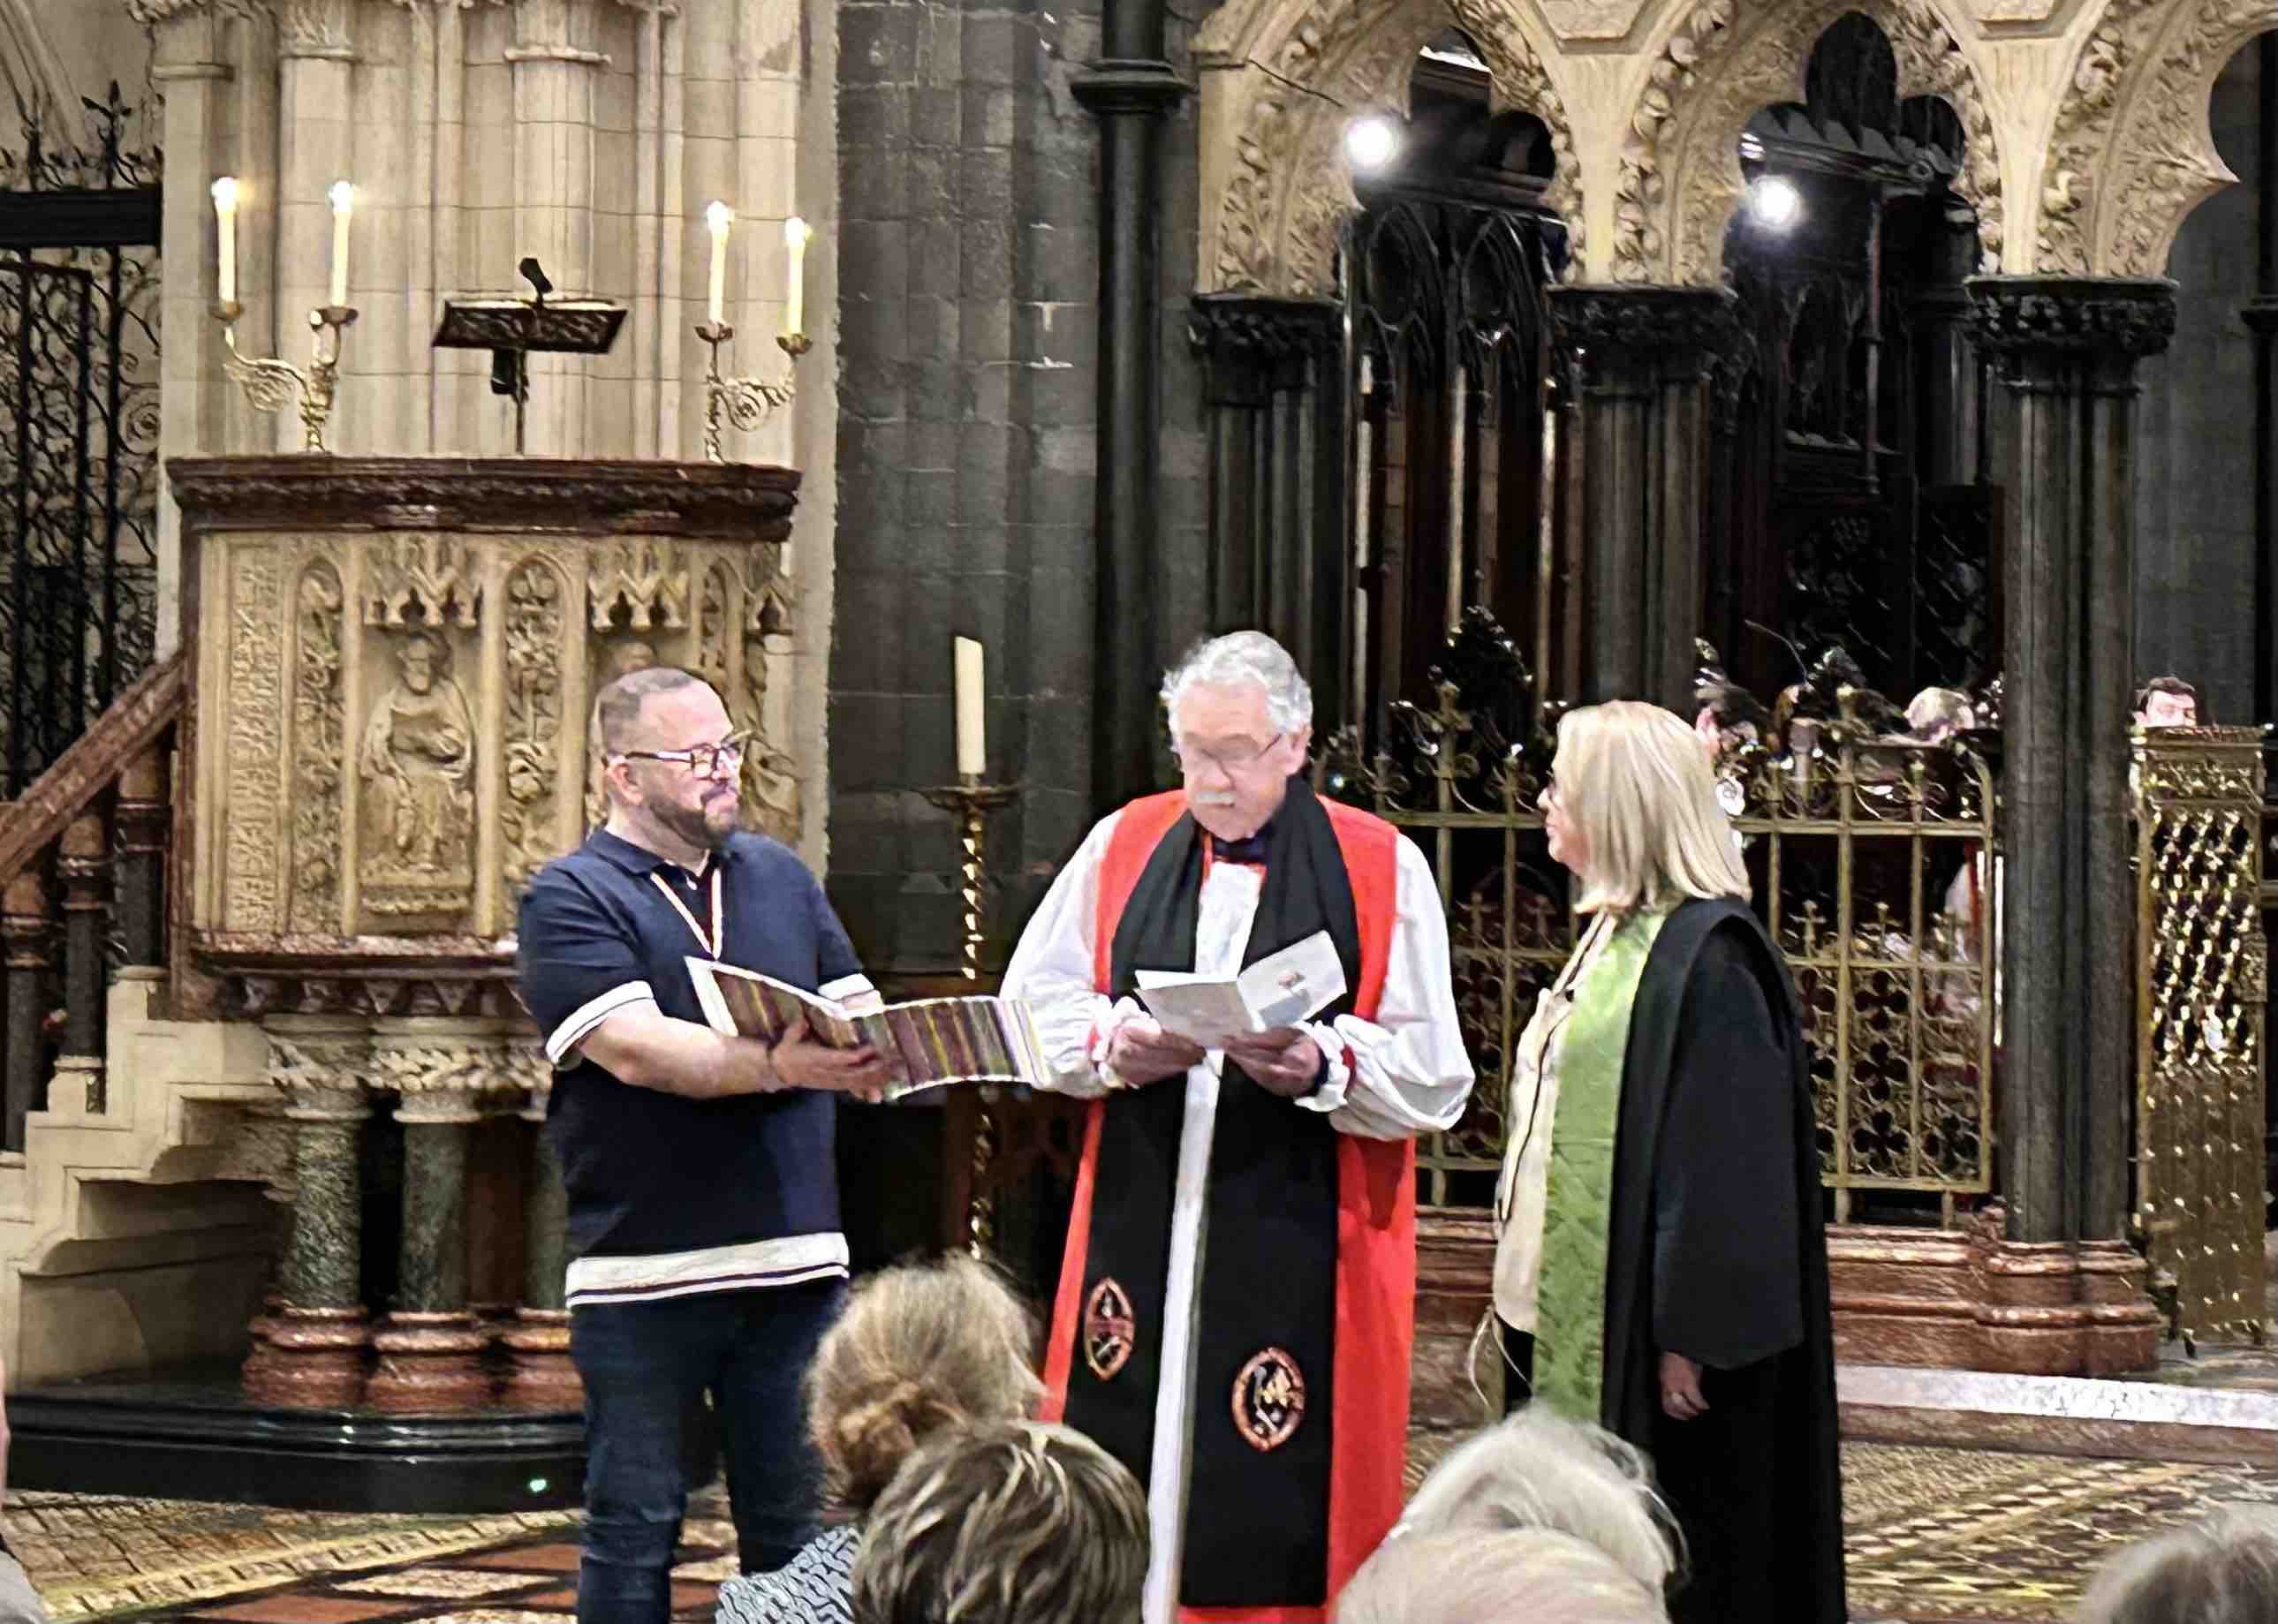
(1237,1302)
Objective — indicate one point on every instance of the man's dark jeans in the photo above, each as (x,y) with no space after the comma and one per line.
(647,1367)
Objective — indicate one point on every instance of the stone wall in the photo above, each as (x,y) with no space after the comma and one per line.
(967,406)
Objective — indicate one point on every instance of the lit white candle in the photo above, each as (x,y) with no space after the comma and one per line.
(972,747)
(796,231)
(343,196)
(224,197)
(719,217)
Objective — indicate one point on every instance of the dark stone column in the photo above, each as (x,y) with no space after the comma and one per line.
(310,1350)
(1642,358)
(431,1347)
(543,1377)
(1277,485)
(25,927)
(1946,376)
(83,865)
(143,812)
(1128,90)
(2064,414)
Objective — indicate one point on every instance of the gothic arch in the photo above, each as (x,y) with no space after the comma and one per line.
(2131,153)
(1271,227)
(1680,168)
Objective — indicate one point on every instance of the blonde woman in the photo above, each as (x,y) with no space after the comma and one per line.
(1660,1267)
(920,1351)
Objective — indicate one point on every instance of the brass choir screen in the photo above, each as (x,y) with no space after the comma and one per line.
(2201,968)
(1869,861)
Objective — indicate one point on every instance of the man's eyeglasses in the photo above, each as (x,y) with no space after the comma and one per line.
(1194,759)
(704,760)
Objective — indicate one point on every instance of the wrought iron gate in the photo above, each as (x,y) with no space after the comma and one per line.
(78,427)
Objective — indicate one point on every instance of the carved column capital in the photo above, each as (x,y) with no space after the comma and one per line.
(441,1069)
(320,1064)
(317,29)
(1640,336)
(2123,319)
(150,13)
(1254,343)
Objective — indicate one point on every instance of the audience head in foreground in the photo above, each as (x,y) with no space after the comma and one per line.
(2222,1571)
(919,1351)
(1017,1522)
(1539,1518)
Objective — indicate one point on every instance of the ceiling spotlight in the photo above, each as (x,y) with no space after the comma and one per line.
(1774,202)
(1371,142)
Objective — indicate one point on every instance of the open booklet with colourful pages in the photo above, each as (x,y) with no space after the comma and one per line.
(977,1039)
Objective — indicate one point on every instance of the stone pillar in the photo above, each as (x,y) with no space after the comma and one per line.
(190,69)
(554,65)
(543,1377)
(2064,414)
(1946,375)
(1128,90)
(1277,482)
(317,146)
(1642,358)
(431,1347)
(313,1355)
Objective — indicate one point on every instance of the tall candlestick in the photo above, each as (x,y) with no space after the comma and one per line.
(343,196)
(719,217)
(796,231)
(972,746)
(225,200)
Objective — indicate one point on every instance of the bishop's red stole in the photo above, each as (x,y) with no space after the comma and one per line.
(1375,1268)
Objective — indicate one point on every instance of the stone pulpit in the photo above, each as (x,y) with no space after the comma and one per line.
(391,674)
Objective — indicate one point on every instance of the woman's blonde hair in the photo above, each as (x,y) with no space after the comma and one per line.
(1636,782)
(919,1348)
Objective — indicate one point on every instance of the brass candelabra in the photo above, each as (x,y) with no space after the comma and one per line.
(268,383)
(746,403)
(973,801)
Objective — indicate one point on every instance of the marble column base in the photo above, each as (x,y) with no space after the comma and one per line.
(430,1362)
(543,1378)
(310,1358)
(1974,1301)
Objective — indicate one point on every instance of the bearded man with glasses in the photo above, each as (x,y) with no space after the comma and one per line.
(1237,1301)
(705,1253)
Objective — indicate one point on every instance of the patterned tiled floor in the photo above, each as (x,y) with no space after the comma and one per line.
(1954,1537)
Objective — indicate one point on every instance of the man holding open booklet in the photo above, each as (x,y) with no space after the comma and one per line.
(1236,1305)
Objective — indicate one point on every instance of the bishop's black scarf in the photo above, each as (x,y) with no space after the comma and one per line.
(1257,1533)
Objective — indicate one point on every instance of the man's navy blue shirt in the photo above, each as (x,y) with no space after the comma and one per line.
(711,1194)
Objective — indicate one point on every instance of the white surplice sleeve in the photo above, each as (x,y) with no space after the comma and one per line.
(1408,1072)
(1051,971)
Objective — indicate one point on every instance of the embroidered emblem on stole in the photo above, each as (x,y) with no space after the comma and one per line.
(1108,1329)
(1269,1399)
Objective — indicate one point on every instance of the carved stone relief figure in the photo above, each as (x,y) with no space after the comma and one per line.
(319,752)
(417,763)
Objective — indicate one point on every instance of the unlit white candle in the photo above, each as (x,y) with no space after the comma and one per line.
(719,217)
(796,231)
(343,197)
(224,197)
(972,746)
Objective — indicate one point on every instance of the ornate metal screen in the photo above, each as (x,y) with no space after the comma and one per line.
(1869,863)
(78,428)
(2202,964)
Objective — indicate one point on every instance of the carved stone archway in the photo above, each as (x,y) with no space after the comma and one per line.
(1273,140)
(2131,153)
(1680,168)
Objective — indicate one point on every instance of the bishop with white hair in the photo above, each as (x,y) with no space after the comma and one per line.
(1236,1305)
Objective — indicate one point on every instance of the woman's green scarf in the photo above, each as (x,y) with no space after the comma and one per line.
(1569,1338)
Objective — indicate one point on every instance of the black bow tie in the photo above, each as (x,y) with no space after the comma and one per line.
(1250,849)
